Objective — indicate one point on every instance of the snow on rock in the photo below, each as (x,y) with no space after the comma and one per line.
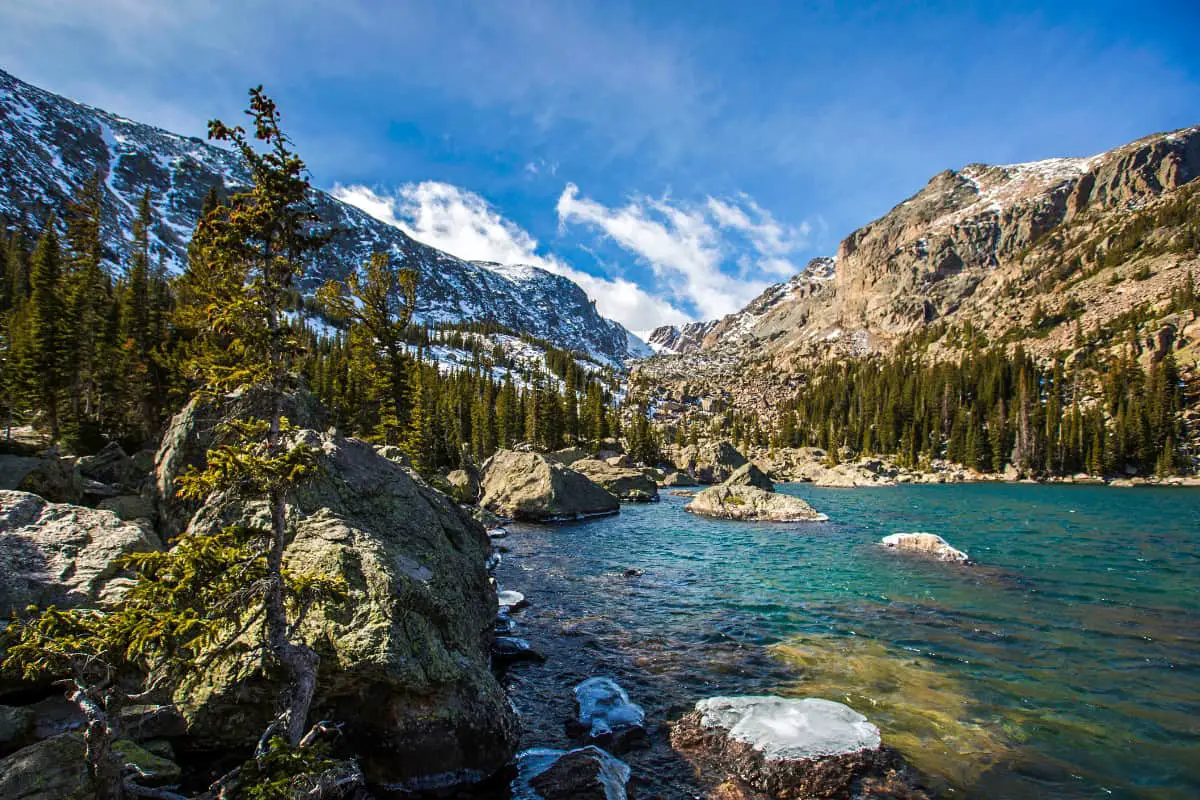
(781,746)
(606,715)
(791,729)
(926,544)
(589,772)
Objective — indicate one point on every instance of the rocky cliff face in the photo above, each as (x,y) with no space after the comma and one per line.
(1077,240)
(51,146)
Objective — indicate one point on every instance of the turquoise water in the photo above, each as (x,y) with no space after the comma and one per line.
(1065,664)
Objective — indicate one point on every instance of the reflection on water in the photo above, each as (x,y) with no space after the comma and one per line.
(924,713)
(1067,664)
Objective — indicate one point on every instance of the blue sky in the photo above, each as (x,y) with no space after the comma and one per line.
(674,157)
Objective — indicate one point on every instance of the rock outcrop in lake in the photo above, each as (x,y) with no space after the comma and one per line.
(750,475)
(749,503)
(528,486)
(927,545)
(405,656)
(626,483)
(786,748)
(606,716)
(60,554)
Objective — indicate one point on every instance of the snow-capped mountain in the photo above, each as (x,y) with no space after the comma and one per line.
(51,146)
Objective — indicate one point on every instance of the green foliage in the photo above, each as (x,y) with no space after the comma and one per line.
(282,772)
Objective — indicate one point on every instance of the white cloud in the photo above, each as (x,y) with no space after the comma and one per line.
(464,224)
(692,247)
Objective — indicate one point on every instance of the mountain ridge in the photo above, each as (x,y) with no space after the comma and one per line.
(51,145)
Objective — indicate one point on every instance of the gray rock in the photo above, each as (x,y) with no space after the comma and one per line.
(129,507)
(605,715)
(678,479)
(112,466)
(567,456)
(527,486)
(787,748)
(16,727)
(624,482)
(196,429)
(513,650)
(51,478)
(59,554)
(709,463)
(53,769)
(749,475)
(749,503)
(588,773)
(405,659)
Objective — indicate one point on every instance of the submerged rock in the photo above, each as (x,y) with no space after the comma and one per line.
(588,773)
(749,503)
(529,487)
(926,544)
(786,748)
(405,657)
(749,475)
(60,554)
(605,714)
(511,650)
(624,482)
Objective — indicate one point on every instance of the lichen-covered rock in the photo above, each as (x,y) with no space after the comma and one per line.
(749,503)
(59,554)
(527,486)
(606,716)
(50,478)
(624,482)
(588,773)
(405,657)
(54,769)
(929,545)
(749,475)
(786,748)
(196,429)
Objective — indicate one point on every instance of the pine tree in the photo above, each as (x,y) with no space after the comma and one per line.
(253,252)
(45,361)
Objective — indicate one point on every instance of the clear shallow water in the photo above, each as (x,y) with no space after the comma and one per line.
(1066,664)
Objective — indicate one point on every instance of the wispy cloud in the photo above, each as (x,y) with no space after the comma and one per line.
(466,225)
(714,256)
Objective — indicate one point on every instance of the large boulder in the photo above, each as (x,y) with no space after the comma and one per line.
(709,463)
(749,475)
(786,748)
(49,477)
(405,656)
(568,455)
(749,503)
(54,769)
(62,555)
(197,428)
(588,773)
(928,545)
(529,487)
(624,482)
